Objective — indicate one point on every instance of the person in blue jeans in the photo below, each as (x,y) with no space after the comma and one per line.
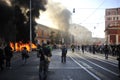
(64,53)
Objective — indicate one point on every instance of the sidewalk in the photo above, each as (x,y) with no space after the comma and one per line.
(102,56)
(109,56)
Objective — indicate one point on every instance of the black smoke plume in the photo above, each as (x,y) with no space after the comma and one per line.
(15,19)
(6,21)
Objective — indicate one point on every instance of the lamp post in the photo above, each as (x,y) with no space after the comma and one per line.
(30,27)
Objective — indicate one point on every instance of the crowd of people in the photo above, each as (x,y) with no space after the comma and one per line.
(113,50)
(44,52)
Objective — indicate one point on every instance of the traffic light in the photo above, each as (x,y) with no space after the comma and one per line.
(73,10)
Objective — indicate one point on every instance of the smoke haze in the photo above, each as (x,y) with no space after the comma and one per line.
(59,15)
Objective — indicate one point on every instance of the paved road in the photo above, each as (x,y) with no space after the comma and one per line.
(79,66)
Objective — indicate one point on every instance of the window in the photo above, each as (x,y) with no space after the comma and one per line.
(115,13)
(108,13)
(117,18)
(113,18)
(109,18)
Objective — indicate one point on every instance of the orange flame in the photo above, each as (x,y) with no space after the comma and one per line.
(19,46)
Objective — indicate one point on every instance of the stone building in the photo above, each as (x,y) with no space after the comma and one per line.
(45,33)
(81,34)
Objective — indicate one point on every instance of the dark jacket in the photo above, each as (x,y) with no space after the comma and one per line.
(106,49)
(2,57)
(45,51)
(8,52)
(64,51)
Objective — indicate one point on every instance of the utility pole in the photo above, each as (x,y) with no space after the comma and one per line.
(30,27)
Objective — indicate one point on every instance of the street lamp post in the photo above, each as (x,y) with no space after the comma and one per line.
(30,28)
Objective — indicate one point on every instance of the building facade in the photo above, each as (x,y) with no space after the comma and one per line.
(112,26)
(44,34)
(81,34)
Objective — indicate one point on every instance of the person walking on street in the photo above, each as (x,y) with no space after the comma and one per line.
(45,53)
(43,63)
(73,48)
(93,49)
(1,58)
(25,55)
(78,47)
(48,51)
(118,58)
(82,47)
(106,51)
(8,55)
(64,52)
